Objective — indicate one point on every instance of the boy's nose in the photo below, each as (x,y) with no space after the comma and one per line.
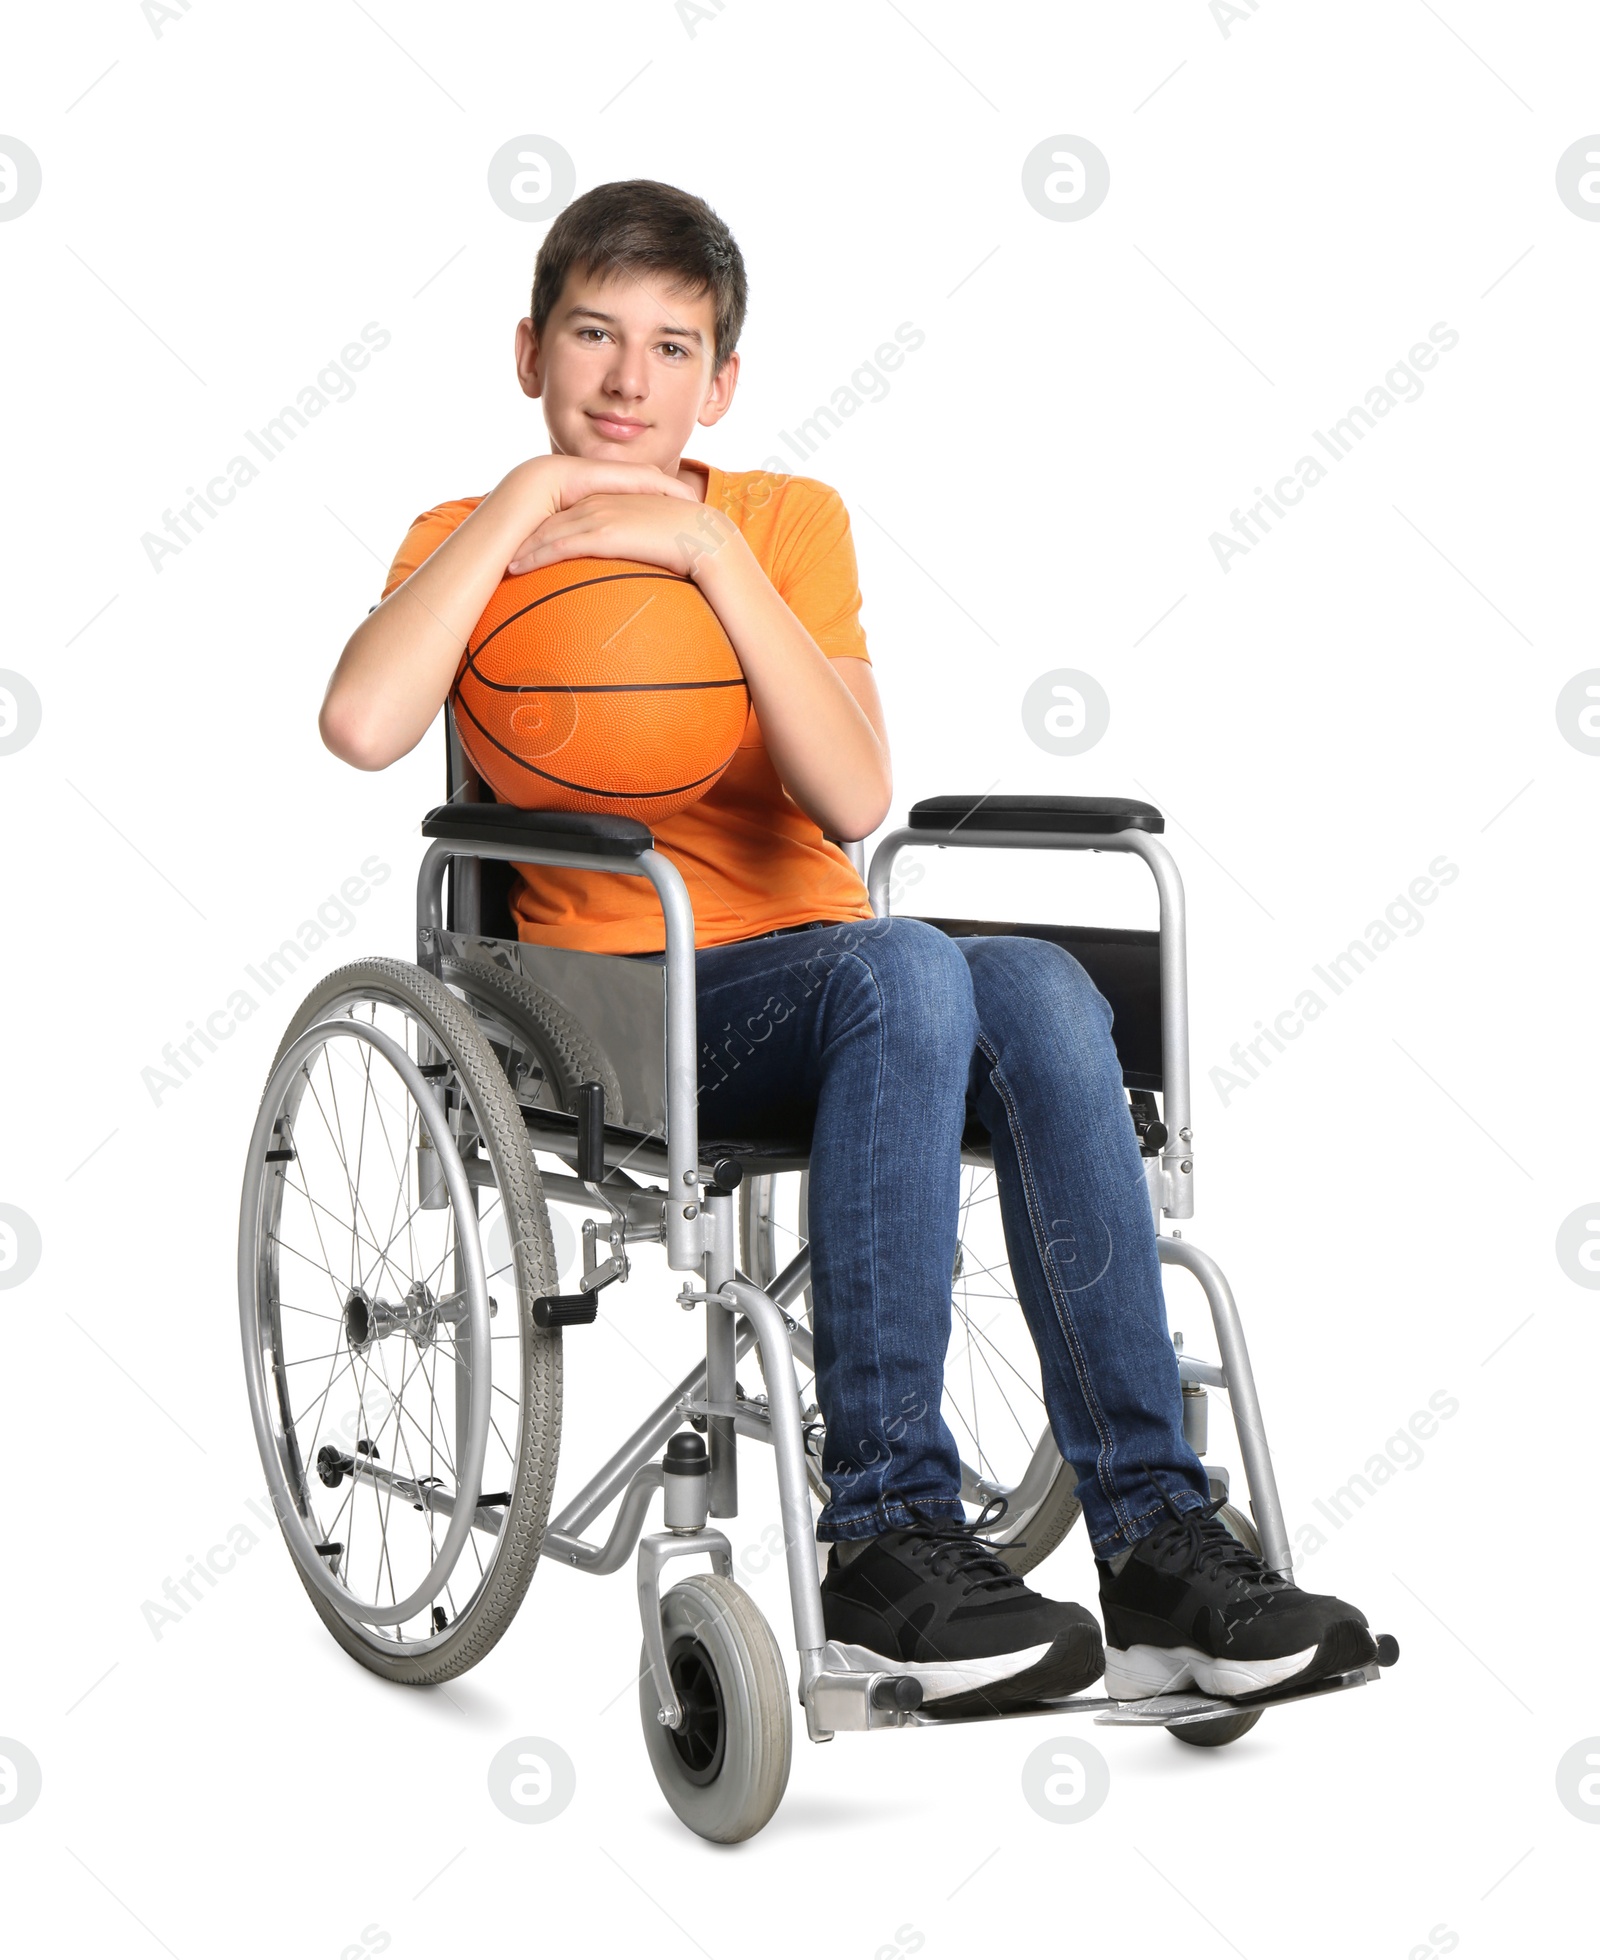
(625,383)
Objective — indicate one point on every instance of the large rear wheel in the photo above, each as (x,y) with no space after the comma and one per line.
(407,1408)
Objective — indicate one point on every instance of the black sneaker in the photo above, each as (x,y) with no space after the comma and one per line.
(932,1600)
(1192,1607)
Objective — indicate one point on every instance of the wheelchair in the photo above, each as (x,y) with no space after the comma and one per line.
(403,1320)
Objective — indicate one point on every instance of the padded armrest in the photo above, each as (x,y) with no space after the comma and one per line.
(1088,815)
(595,836)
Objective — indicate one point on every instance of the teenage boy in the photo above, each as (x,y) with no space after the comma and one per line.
(630,345)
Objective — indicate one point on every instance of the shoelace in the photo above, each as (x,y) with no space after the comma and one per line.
(1209,1544)
(951,1548)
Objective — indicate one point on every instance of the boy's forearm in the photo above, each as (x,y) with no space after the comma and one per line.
(397,667)
(823,748)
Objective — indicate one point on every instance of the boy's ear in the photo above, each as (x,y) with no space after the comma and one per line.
(719,397)
(529,367)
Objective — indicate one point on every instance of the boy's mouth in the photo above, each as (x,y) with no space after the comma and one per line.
(618,428)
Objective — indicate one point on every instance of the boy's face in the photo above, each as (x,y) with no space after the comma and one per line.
(624,369)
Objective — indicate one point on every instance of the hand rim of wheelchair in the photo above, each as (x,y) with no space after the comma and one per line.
(469,1473)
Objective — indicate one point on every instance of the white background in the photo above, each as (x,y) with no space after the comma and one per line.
(1293,204)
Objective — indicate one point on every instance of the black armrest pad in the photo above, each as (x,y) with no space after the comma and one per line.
(596,836)
(1092,815)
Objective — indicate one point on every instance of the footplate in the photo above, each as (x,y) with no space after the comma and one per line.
(1166,1711)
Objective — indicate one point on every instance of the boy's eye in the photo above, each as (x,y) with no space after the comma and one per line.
(668,346)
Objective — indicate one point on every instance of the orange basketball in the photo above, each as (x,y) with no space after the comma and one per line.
(600,684)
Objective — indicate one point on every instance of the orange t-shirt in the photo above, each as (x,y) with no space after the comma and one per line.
(750,856)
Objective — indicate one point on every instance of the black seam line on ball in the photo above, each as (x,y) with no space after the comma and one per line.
(589,687)
(584,789)
(607,578)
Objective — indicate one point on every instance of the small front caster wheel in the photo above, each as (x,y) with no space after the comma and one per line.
(725,1769)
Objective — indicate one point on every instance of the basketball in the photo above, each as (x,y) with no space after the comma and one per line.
(600,684)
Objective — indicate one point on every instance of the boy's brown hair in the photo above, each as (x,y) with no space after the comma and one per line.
(636,226)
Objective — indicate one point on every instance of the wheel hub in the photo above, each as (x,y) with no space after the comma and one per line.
(419,1315)
(702,1738)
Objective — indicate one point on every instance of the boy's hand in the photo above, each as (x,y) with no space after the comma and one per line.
(562,481)
(655,530)
(546,486)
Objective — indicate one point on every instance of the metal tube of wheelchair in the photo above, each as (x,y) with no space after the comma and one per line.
(430,903)
(1177,1157)
(1243,1401)
(1195,1426)
(685,1223)
(789,1457)
(466,894)
(432,1194)
(721,1435)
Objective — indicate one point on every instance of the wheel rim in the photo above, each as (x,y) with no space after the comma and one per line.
(993,1396)
(379,1305)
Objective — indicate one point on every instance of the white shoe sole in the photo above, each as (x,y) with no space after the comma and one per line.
(1133,1673)
(942,1678)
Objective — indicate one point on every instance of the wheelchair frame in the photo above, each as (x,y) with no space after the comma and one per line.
(699,1229)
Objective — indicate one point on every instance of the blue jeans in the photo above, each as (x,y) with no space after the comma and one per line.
(880,1038)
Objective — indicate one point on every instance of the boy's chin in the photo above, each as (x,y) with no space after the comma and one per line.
(595,448)
(630,452)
